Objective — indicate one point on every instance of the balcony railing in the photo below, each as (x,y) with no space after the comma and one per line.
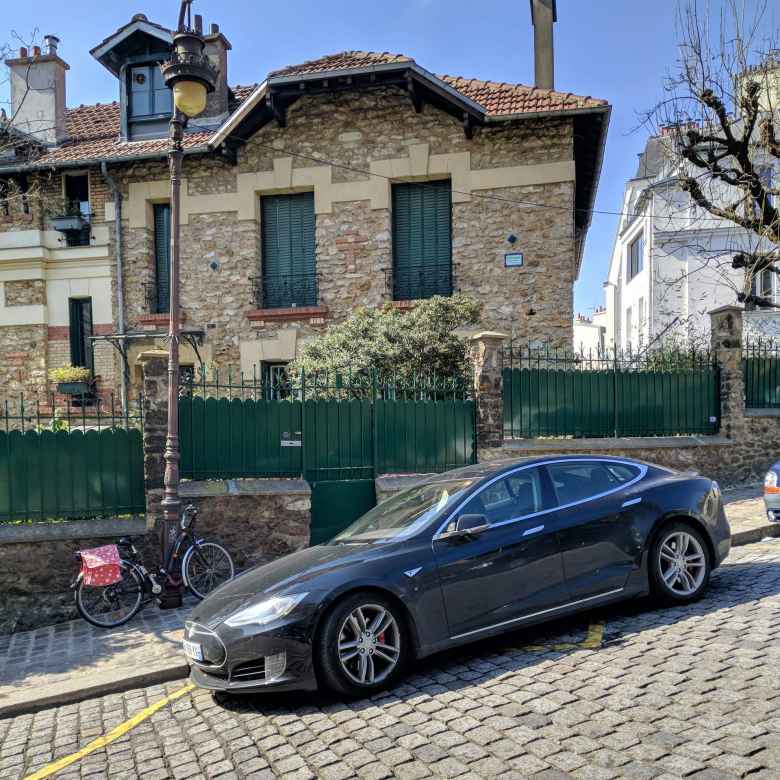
(286,291)
(423,281)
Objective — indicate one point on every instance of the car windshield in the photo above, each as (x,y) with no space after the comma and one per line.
(405,513)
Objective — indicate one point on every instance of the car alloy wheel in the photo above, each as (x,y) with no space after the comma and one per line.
(681,564)
(369,644)
(362,644)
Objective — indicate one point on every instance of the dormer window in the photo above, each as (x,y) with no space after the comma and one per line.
(148,102)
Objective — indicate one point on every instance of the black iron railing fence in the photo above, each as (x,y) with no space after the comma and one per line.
(420,281)
(298,385)
(761,372)
(285,290)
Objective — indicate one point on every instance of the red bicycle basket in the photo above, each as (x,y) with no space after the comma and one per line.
(100,566)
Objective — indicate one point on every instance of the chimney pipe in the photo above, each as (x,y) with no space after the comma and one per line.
(543,17)
(51,42)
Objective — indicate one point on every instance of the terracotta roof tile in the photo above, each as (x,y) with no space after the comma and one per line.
(499,99)
(89,122)
(93,131)
(342,61)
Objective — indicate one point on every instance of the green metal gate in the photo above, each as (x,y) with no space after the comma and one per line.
(337,503)
(338,433)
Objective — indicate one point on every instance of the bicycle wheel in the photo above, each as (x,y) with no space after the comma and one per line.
(106,606)
(205,567)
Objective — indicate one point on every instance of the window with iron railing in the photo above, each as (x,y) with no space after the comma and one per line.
(289,276)
(286,291)
(422,240)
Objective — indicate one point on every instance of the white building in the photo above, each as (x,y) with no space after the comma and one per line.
(590,332)
(671,262)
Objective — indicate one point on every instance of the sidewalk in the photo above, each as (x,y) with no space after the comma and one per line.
(75,661)
(747,516)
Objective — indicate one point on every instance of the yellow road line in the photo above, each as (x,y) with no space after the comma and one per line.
(112,735)
(592,641)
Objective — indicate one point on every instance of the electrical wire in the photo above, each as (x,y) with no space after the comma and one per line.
(481,195)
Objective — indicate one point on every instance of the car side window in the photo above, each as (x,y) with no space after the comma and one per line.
(509,498)
(579,480)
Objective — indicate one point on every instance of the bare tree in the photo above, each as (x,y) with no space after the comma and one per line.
(719,120)
(19,192)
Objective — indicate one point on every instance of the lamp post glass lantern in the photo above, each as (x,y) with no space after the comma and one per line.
(191,76)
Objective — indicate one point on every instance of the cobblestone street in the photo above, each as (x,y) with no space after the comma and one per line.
(689,692)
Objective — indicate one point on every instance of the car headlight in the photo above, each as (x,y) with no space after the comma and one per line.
(265,611)
(770,482)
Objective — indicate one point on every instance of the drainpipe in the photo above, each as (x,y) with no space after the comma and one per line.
(120,291)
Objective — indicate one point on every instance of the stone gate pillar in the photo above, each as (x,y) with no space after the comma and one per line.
(726,344)
(486,352)
(155,372)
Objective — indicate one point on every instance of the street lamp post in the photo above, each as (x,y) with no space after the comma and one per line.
(191,76)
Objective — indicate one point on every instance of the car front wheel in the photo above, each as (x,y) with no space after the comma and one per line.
(680,564)
(363,645)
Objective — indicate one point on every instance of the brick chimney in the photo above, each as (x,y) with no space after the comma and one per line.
(543,17)
(217,48)
(38,92)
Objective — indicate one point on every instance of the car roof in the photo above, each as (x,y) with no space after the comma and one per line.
(493,468)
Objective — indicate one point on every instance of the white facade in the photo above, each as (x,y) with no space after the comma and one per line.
(671,263)
(590,333)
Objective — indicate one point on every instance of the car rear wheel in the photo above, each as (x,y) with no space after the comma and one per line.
(680,564)
(363,645)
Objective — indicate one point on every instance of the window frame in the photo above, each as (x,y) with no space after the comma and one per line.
(306,292)
(441,534)
(87,347)
(158,307)
(635,260)
(442,287)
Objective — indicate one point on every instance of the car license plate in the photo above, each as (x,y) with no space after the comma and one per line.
(193,650)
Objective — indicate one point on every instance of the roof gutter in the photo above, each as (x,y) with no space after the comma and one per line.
(49,166)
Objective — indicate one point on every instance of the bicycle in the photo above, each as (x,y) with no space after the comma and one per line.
(204,566)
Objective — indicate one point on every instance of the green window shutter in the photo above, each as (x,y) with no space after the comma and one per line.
(422,240)
(162,257)
(289,262)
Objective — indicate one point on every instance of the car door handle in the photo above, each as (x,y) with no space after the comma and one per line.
(535,530)
(631,502)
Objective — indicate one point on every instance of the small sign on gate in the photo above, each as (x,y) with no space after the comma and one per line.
(291,439)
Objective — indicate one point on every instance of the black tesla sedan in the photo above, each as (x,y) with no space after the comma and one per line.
(464,555)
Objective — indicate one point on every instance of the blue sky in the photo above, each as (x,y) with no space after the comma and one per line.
(610,49)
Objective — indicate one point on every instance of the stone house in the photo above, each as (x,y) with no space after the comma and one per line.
(357,179)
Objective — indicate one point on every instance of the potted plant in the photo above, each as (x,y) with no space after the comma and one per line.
(66,216)
(72,380)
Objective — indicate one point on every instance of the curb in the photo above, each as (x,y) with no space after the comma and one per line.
(753,535)
(22,703)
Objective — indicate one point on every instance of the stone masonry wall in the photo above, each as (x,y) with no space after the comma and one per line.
(22,359)
(354,242)
(26,292)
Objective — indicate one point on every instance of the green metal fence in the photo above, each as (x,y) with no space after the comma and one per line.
(550,392)
(761,369)
(65,460)
(323,427)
